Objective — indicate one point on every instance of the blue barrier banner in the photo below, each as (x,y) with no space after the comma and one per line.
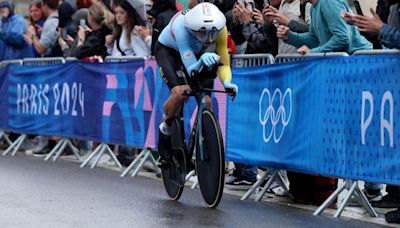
(334,116)
(117,103)
(103,102)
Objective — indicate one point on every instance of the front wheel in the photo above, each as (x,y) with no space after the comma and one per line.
(210,170)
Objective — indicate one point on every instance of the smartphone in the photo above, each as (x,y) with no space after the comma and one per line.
(358,8)
(82,22)
(252,4)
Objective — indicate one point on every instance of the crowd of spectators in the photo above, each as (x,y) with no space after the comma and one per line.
(87,28)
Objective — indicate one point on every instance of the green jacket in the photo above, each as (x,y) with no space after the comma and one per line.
(329,32)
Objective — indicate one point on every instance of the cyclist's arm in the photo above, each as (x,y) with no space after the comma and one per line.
(224,71)
(188,56)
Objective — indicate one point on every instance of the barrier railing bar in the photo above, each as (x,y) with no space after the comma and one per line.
(121,59)
(284,58)
(43,61)
(377,52)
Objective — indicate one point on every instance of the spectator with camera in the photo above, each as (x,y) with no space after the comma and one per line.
(90,40)
(292,13)
(328,32)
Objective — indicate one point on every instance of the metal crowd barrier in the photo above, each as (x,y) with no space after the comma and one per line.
(240,61)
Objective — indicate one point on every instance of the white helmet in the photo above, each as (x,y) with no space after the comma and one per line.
(205,21)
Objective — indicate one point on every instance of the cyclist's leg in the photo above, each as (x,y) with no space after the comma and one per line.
(173,75)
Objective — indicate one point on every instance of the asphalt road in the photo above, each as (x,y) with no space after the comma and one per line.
(34,193)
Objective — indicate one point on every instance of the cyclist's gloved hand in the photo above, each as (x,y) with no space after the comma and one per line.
(209,59)
(231,88)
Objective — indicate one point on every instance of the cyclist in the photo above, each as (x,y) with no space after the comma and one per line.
(186,41)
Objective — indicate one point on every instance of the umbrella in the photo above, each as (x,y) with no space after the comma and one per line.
(141,7)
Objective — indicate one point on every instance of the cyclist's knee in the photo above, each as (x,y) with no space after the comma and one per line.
(176,93)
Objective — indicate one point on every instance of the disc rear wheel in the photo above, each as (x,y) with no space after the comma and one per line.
(174,174)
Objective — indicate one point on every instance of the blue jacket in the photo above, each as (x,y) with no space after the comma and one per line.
(389,35)
(12,43)
(328,31)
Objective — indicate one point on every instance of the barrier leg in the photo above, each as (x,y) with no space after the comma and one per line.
(94,153)
(330,199)
(16,148)
(132,165)
(4,137)
(282,182)
(112,155)
(54,150)
(189,175)
(147,156)
(195,184)
(74,149)
(61,150)
(255,186)
(364,201)
(144,158)
(15,145)
(154,163)
(267,185)
(101,152)
(346,199)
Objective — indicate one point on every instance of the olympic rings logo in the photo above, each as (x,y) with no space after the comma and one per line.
(273,118)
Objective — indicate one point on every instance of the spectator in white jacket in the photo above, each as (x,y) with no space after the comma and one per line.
(131,37)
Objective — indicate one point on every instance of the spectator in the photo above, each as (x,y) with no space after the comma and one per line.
(161,12)
(91,39)
(47,45)
(66,25)
(125,41)
(248,22)
(108,15)
(13,27)
(36,19)
(328,32)
(80,16)
(291,13)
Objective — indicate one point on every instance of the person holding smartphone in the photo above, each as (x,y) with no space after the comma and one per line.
(328,32)
(292,13)
(248,22)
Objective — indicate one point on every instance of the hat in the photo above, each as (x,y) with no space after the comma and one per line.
(6,3)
